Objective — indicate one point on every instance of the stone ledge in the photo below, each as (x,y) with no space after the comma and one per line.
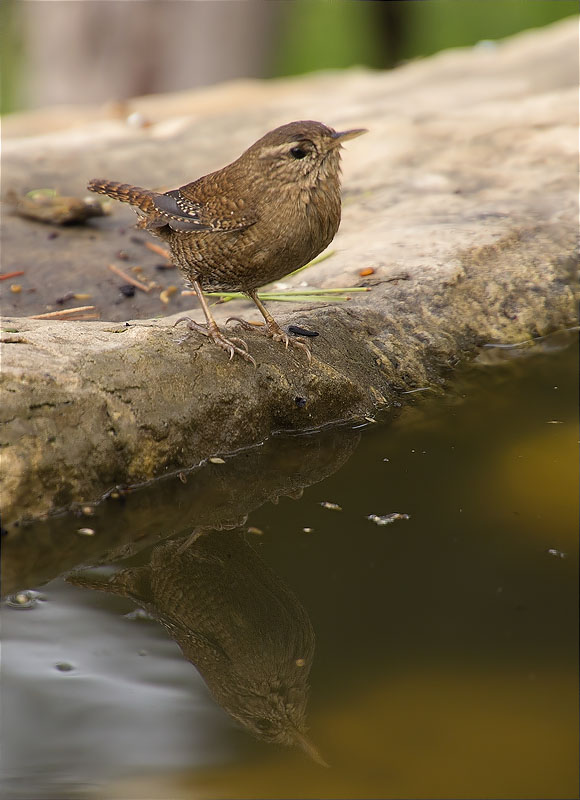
(462,198)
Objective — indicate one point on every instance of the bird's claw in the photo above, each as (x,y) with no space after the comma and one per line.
(190,325)
(295,342)
(239,341)
(275,332)
(232,346)
(247,326)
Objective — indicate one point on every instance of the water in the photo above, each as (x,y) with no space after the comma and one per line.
(446,657)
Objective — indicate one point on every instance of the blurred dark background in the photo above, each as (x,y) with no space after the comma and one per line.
(96,51)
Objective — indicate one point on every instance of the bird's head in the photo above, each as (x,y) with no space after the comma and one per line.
(299,150)
(279,719)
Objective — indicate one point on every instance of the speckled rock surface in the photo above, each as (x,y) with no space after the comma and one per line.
(462,198)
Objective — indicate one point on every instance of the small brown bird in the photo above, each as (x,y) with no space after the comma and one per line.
(236,620)
(261,217)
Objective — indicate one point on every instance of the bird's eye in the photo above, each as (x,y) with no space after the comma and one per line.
(264,725)
(298,152)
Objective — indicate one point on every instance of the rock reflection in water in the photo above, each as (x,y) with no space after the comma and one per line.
(236,621)
(214,496)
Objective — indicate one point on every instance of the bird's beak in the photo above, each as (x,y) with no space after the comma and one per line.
(343,136)
(309,748)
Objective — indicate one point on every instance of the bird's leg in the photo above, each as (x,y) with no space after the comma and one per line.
(232,345)
(271,328)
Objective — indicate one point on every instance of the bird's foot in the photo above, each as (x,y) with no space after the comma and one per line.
(232,346)
(275,332)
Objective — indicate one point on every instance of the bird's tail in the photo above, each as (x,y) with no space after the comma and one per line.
(134,195)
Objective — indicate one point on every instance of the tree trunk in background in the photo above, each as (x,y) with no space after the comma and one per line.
(90,51)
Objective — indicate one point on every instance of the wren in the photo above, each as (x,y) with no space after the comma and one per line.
(256,220)
(236,620)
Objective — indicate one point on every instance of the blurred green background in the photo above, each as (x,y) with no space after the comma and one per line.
(91,51)
(340,33)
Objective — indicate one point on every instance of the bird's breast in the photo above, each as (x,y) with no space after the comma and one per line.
(290,231)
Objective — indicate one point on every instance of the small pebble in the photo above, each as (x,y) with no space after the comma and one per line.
(331,506)
(300,401)
(88,511)
(127,290)
(485,44)
(15,288)
(558,553)
(139,614)
(25,599)
(307,530)
(137,120)
(300,662)
(386,519)
(256,531)
(216,460)
(182,477)
(68,296)
(86,531)
(62,666)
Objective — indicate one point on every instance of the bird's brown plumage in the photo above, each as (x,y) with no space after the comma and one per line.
(236,621)
(259,218)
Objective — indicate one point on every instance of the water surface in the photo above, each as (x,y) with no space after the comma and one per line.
(440,649)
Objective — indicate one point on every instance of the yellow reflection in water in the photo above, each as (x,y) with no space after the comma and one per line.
(512,735)
(538,476)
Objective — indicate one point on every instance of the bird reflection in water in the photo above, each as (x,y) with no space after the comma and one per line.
(236,621)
